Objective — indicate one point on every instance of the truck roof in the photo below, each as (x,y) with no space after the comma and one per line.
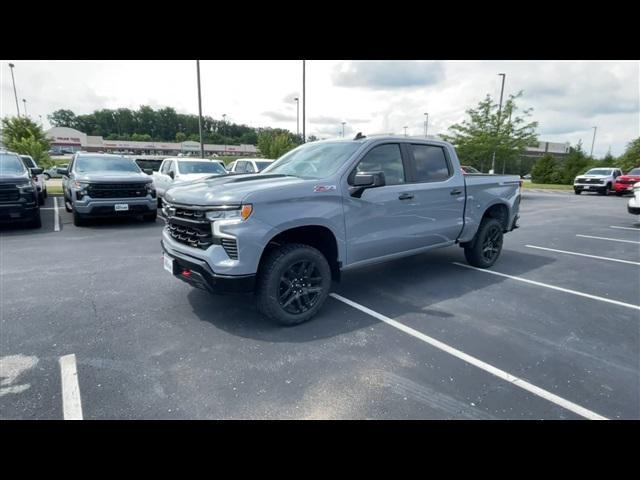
(386,137)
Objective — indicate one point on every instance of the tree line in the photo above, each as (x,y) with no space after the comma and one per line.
(162,125)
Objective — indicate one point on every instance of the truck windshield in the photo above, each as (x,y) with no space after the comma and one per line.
(635,171)
(105,164)
(313,160)
(599,171)
(10,164)
(187,167)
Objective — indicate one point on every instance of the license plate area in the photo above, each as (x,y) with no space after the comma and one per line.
(168,263)
(121,207)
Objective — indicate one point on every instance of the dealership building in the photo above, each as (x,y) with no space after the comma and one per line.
(67,140)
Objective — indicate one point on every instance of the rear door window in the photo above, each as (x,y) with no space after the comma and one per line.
(430,163)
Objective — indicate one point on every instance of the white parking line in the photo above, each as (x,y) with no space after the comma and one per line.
(605,238)
(625,228)
(552,287)
(584,255)
(71,404)
(56,215)
(540,392)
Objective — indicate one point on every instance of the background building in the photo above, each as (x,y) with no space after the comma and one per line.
(69,140)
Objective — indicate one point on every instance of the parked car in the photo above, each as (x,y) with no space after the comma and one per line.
(624,183)
(104,185)
(467,169)
(184,169)
(41,185)
(18,191)
(329,206)
(633,205)
(52,172)
(527,176)
(249,165)
(601,180)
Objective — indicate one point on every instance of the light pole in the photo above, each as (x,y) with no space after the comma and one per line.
(426,125)
(405,131)
(493,159)
(41,124)
(224,131)
(11,65)
(24,101)
(343,129)
(200,111)
(297,100)
(304,102)
(593,141)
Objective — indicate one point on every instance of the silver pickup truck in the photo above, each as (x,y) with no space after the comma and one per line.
(330,206)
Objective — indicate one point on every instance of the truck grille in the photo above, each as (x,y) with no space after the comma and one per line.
(196,235)
(117,190)
(9,193)
(590,180)
(231,247)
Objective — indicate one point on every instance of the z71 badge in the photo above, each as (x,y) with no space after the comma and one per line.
(323,188)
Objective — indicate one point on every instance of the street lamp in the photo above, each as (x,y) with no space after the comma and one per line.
(343,129)
(297,100)
(304,102)
(405,130)
(11,65)
(593,141)
(224,131)
(200,111)
(493,159)
(426,125)
(25,107)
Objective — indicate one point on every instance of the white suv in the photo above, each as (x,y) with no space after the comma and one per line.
(249,165)
(601,180)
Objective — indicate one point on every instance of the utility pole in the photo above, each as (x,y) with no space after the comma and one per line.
(297,116)
(11,65)
(405,131)
(343,129)
(593,141)
(426,125)
(24,101)
(493,159)
(200,111)
(304,102)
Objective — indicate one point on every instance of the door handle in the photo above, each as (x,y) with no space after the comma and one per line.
(455,192)
(405,196)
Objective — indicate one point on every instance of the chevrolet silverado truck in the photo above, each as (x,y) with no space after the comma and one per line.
(327,207)
(601,180)
(104,185)
(175,170)
(18,191)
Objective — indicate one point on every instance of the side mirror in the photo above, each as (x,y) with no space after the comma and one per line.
(172,175)
(148,171)
(369,180)
(63,171)
(36,171)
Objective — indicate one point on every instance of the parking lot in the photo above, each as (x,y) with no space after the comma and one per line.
(93,327)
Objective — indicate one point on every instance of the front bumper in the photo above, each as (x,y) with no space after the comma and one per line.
(106,207)
(592,187)
(199,274)
(624,187)
(10,212)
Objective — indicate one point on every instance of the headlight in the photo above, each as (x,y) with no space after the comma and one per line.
(81,185)
(241,213)
(150,190)
(25,187)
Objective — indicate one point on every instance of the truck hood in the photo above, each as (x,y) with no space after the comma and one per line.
(227,189)
(13,179)
(120,177)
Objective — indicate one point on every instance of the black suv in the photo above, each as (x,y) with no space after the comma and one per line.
(18,191)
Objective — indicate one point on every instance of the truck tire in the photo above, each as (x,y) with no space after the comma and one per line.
(78,220)
(36,221)
(486,246)
(150,217)
(577,192)
(293,283)
(605,190)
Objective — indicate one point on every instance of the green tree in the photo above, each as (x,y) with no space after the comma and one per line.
(312,138)
(486,131)
(23,135)
(273,144)
(545,170)
(180,137)
(630,159)
(62,118)
(574,164)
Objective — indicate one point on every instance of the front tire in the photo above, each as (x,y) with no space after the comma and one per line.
(293,284)
(151,217)
(577,192)
(36,221)
(78,220)
(486,246)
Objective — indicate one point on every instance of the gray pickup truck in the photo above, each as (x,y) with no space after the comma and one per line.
(327,207)
(103,185)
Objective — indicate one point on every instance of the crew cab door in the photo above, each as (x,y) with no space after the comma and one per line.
(383,220)
(439,193)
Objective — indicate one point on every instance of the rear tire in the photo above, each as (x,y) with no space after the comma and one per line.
(486,246)
(293,284)
(36,222)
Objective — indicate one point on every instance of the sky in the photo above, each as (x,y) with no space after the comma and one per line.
(568,98)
